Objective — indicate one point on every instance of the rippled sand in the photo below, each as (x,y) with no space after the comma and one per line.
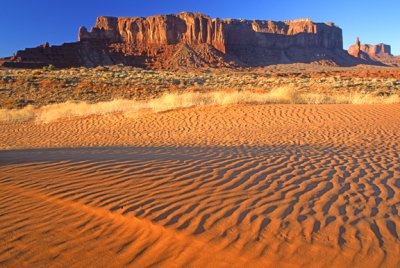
(255,185)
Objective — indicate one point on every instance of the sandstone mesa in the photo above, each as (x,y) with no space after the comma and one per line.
(193,40)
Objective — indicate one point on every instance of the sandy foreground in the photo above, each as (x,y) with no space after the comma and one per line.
(233,186)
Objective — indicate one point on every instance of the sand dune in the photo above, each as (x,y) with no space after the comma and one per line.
(326,125)
(235,186)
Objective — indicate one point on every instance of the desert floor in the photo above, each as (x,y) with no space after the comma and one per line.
(234,186)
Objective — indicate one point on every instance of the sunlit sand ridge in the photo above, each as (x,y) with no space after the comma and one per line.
(256,185)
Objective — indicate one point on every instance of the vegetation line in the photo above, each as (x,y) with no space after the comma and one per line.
(282,95)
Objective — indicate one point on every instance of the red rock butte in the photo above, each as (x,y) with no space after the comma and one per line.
(192,40)
(379,54)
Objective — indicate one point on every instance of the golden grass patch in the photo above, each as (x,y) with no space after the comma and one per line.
(282,95)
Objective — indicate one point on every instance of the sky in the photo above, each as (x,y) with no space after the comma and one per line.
(29,23)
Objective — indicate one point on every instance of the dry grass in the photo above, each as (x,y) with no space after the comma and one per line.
(70,109)
(283,95)
(24,114)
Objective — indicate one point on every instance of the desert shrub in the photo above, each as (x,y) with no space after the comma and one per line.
(36,72)
(49,67)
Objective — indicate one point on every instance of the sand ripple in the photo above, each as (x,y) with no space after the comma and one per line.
(185,206)
(326,199)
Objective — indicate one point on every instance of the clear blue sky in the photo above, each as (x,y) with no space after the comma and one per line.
(28,23)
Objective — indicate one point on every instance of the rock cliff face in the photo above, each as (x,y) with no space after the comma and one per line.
(148,34)
(380,53)
(192,39)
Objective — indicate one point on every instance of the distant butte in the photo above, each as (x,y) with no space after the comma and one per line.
(193,40)
(380,53)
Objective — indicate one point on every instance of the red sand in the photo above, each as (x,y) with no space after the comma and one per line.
(256,185)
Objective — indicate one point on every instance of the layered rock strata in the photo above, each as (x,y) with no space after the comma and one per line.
(192,40)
